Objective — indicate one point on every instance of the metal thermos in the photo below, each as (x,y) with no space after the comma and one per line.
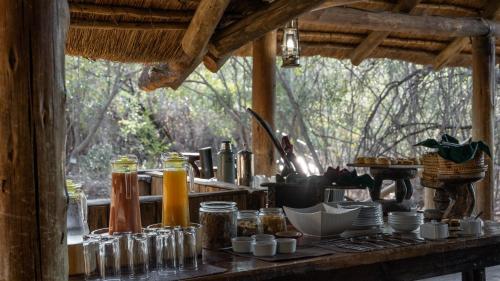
(225,170)
(244,167)
(207,167)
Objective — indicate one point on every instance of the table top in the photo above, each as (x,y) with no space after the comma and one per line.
(427,256)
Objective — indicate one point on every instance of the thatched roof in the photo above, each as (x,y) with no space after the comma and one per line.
(151,31)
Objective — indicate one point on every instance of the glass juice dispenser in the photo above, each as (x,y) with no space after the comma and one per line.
(125,212)
(77,213)
(175,210)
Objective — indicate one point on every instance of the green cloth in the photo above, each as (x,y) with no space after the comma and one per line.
(451,149)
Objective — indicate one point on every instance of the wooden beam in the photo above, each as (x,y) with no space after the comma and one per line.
(483,114)
(342,51)
(255,25)
(120,25)
(138,13)
(194,44)
(32,148)
(394,22)
(375,38)
(264,102)
(457,45)
(335,3)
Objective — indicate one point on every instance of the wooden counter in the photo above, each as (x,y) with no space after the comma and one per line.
(470,256)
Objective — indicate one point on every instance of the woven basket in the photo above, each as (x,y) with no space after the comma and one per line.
(435,164)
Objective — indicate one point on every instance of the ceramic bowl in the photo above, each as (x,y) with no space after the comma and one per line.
(321,219)
(263,237)
(264,248)
(286,245)
(242,244)
(434,231)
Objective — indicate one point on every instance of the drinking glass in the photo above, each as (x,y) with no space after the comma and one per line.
(91,257)
(198,228)
(187,237)
(138,256)
(123,240)
(152,235)
(109,253)
(166,252)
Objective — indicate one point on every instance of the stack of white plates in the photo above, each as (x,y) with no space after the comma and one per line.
(405,221)
(370,215)
(491,228)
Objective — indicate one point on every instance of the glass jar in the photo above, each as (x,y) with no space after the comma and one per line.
(273,220)
(77,213)
(125,212)
(248,223)
(175,210)
(218,219)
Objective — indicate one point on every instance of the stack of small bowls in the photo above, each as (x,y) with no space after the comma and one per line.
(405,221)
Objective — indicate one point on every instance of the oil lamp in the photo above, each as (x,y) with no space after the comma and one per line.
(290,45)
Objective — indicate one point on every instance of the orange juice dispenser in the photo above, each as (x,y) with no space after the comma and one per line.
(175,190)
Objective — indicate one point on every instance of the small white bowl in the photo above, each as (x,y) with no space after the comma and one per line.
(286,245)
(263,237)
(264,248)
(242,244)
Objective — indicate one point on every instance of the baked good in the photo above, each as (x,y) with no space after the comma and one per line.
(383,161)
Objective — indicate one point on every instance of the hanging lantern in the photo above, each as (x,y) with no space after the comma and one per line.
(290,51)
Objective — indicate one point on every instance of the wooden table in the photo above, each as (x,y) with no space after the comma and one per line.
(469,256)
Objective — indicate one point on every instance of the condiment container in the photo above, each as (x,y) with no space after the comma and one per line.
(242,244)
(471,227)
(248,223)
(125,211)
(273,220)
(286,245)
(175,209)
(265,248)
(218,219)
(226,169)
(263,237)
(77,213)
(434,230)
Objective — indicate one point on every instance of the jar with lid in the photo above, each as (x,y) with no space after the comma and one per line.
(248,223)
(125,212)
(218,219)
(273,220)
(175,211)
(77,213)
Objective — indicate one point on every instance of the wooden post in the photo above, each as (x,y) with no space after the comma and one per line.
(263,101)
(483,113)
(32,139)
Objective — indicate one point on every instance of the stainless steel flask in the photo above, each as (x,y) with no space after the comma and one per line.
(226,170)
(244,167)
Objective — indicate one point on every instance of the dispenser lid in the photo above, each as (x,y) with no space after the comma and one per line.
(125,163)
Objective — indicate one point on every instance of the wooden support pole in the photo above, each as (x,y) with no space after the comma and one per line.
(32,124)
(263,101)
(483,114)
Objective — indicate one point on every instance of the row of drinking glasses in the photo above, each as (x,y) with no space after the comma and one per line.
(163,251)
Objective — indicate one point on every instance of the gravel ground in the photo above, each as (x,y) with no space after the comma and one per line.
(492,274)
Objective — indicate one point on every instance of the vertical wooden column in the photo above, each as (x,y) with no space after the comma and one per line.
(263,101)
(32,140)
(483,113)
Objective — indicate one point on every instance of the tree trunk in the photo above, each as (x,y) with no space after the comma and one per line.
(483,114)
(263,101)
(32,195)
